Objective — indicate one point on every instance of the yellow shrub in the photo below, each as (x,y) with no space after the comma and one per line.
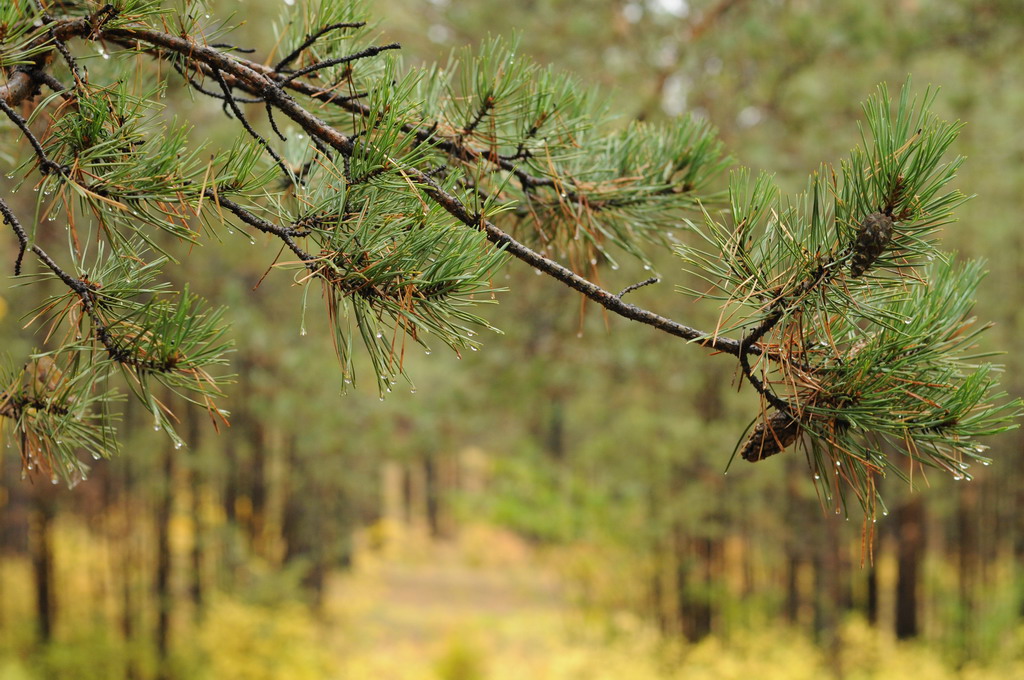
(249,642)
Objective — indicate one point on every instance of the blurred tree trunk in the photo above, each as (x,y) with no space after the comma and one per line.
(162,577)
(968,564)
(693,606)
(910,537)
(41,547)
(308,522)
(195,482)
(829,587)
(126,554)
(257,478)
(433,494)
(230,499)
(871,596)
(792,588)
(15,513)
(555,443)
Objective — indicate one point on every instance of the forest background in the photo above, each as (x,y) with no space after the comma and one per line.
(555,504)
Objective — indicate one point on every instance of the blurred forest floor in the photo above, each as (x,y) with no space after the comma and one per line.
(488,605)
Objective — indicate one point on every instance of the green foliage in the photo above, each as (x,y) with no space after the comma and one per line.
(400,191)
(876,352)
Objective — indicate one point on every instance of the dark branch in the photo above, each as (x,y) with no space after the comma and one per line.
(259,80)
(229,99)
(19,231)
(310,39)
(46,166)
(267,227)
(630,289)
(368,52)
(750,340)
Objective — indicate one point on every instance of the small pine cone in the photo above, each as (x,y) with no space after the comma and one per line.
(771,436)
(873,235)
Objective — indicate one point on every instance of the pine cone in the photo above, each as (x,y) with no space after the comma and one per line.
(771,436)
(873,235)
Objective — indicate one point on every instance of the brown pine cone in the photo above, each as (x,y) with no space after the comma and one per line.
(771,436)
(873,235)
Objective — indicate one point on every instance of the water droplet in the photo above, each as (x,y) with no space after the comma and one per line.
(177,445)
(380,335)
(472,348)
(615,265)
(156,428)
(302,332)
(427,352)
(985,463)
(537,272)
(412,391)
(838,463)
(907,321)
(817,476)
(96,455)
(647,267)
(53,479)
(885,513)
(593,260)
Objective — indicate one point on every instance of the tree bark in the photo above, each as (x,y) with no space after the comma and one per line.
(41,542)
(909,527)
(162,577)
(195,510)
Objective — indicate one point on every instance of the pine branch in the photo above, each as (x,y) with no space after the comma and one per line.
(400,220)
(255,82)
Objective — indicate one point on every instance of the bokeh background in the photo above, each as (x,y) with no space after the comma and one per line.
(554,506)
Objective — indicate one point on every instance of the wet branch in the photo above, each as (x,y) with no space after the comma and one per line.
(260,81)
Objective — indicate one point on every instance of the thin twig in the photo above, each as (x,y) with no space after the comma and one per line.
(312,38)
(267,227)
(368,52)
(229,100)
(630,289)
(19,231)
(210,93)
(46,166)
(750,340)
